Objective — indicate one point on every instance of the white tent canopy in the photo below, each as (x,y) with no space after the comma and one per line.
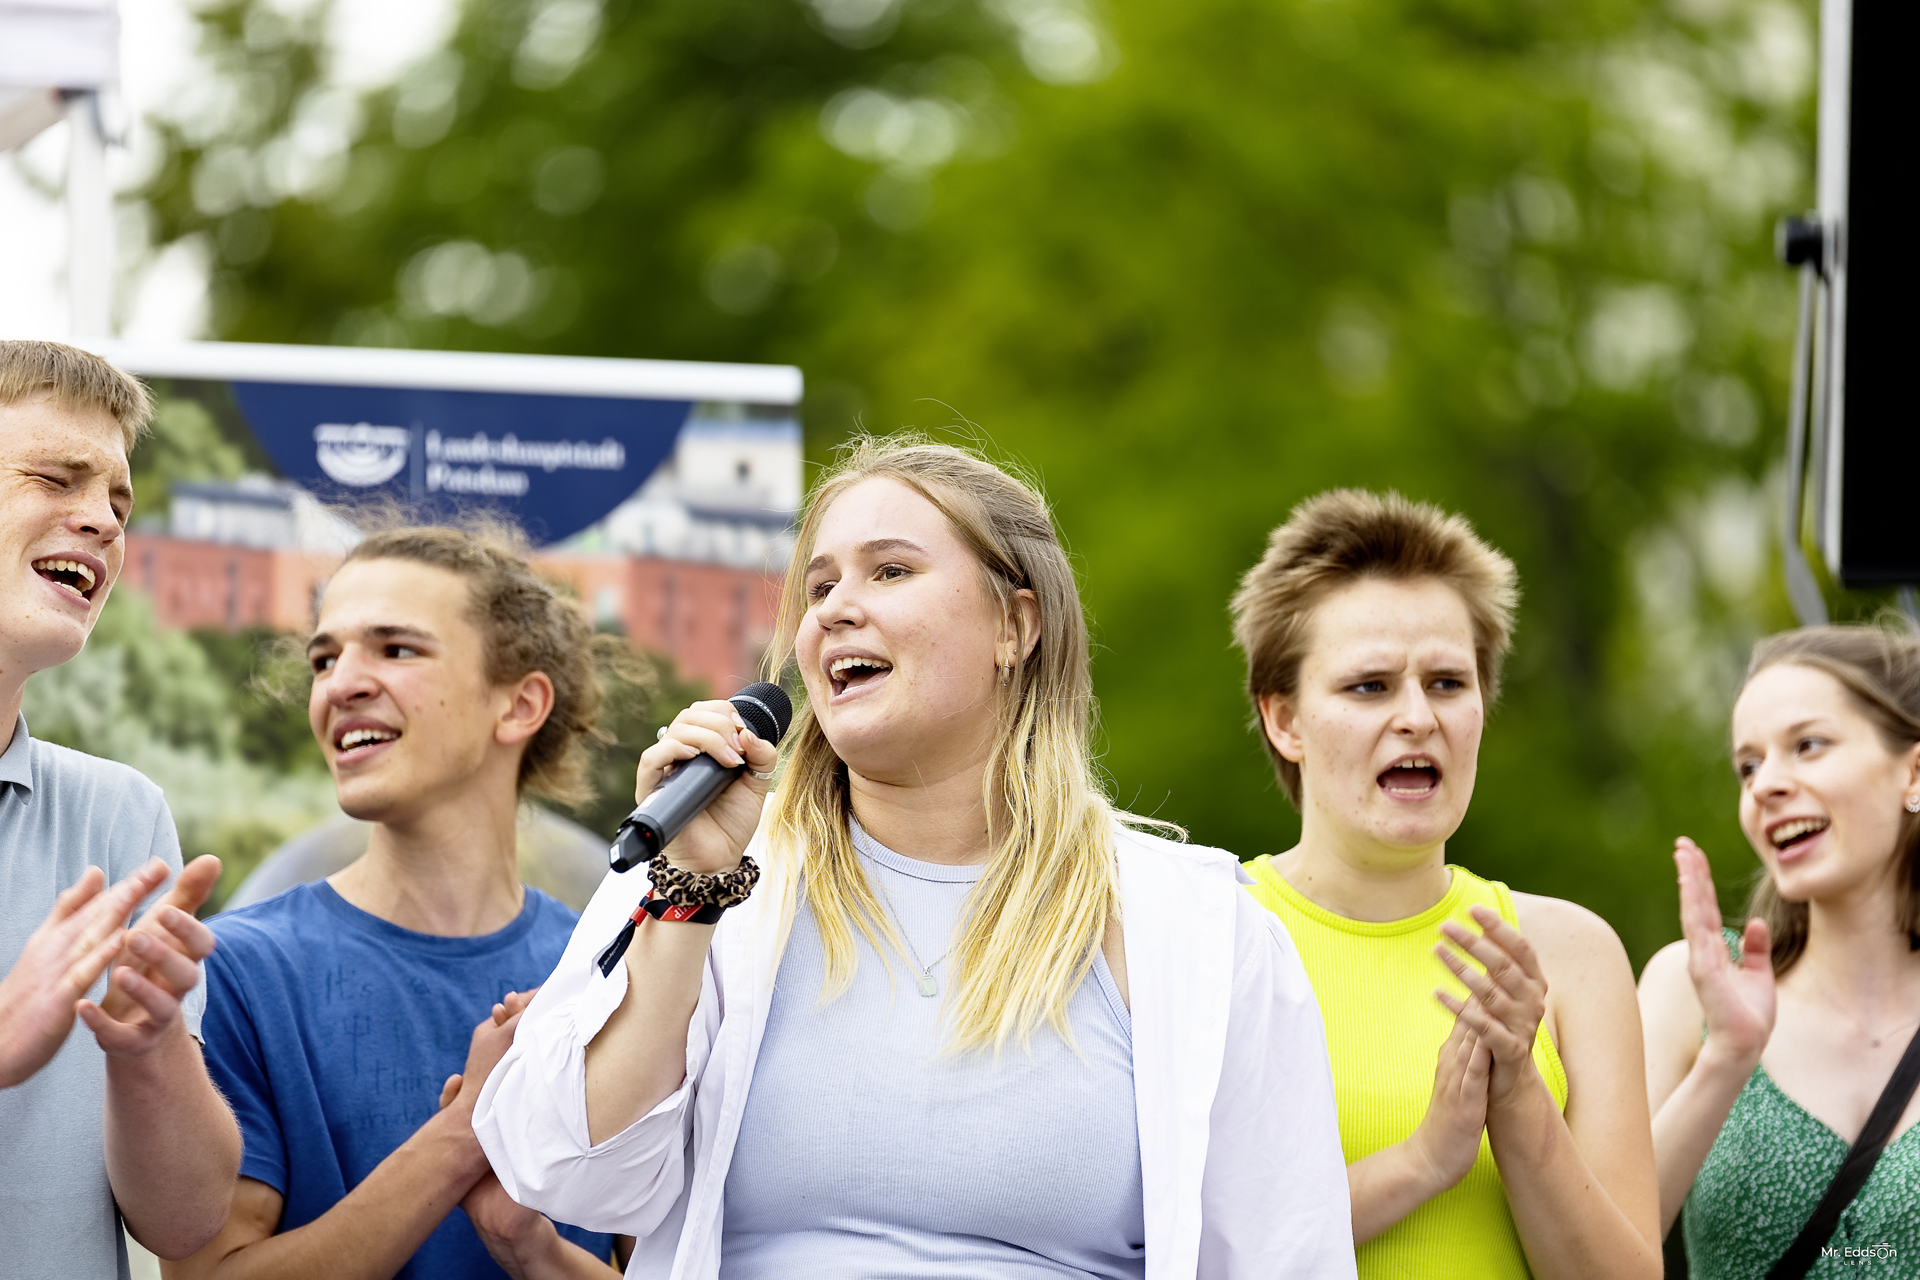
(47,46)
(52,50)
(59,44)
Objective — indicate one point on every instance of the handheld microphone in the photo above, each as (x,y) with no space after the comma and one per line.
(696,783)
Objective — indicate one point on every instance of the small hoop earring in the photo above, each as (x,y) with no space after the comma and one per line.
(1006,675)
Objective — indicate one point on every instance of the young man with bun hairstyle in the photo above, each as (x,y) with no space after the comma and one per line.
(1497,1128)
(122,1125)
(448,681)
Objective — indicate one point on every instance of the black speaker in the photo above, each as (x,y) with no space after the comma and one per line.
(1858,302)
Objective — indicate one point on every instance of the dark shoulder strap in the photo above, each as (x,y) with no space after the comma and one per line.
(1854,1170)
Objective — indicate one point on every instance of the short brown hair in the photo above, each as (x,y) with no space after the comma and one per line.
(1344,536)
(75,380)
(525,626)
(1879,667)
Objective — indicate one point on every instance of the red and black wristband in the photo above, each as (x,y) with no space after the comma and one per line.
(659,909)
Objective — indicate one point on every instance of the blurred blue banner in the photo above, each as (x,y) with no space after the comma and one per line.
(555,463)
(554,442)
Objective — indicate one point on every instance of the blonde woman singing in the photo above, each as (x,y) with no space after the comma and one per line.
(970,1022)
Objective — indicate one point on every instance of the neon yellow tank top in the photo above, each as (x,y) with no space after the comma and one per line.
(1375,985)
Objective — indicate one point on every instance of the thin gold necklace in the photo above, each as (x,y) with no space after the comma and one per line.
(1873,1040)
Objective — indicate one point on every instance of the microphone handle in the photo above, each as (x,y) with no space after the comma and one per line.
(666,811)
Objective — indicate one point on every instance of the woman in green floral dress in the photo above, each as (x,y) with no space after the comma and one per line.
(1767,1047)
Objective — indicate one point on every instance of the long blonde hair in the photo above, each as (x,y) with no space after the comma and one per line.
(1037,914)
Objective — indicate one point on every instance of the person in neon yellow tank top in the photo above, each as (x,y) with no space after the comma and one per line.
(1485,1044)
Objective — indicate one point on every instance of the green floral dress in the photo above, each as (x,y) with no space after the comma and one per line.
(1767,1171)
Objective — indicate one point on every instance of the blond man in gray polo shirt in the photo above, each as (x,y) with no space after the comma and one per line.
(118,1121)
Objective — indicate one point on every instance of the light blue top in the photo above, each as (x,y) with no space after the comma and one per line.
(864,1151)
(61,812)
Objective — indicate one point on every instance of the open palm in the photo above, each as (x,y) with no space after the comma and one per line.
(1738,998)
(62,959)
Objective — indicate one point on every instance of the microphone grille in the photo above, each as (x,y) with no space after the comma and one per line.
(766,709)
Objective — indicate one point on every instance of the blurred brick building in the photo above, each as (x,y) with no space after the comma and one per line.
(690,567)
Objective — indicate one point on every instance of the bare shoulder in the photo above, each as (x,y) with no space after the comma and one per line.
(1670,1008)
(1666,971)
(1591,1013)
(1577,949)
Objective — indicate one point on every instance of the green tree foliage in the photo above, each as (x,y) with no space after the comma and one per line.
(630,718)
(267,683)
(184,444)
(1190,262)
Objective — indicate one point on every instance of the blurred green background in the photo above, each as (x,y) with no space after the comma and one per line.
(1189,263)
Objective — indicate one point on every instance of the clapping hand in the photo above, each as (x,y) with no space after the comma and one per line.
(1391,1183)
(158,964)
(66,954)
(1448,1138)
(1738,999)
(491,1040)
(1505,1003)
(507,1228)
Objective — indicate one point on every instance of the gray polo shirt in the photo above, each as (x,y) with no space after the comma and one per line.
(62,811)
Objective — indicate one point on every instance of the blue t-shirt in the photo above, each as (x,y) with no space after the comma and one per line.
(331,1031)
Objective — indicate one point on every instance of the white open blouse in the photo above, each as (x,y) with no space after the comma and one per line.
(1239,1141)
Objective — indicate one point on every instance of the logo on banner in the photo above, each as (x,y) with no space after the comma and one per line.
(361,454)
(554,463)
